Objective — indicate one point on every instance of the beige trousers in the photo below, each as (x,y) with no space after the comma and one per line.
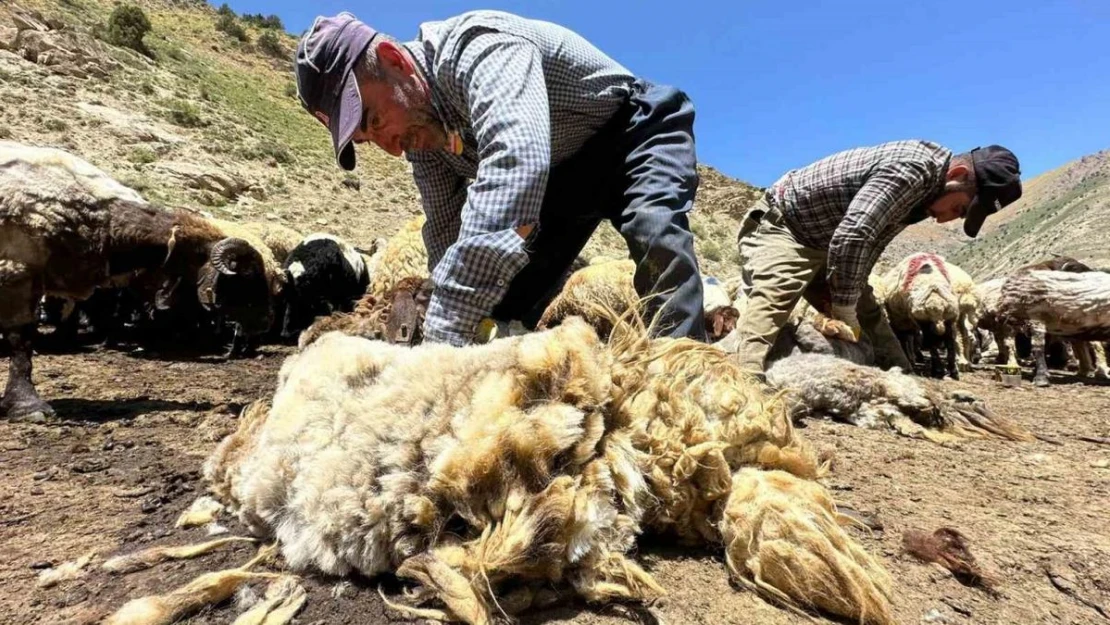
(777,271)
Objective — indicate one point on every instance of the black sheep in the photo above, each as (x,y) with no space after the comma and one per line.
(324,275)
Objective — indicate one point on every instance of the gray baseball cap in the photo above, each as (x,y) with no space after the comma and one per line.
(326,58)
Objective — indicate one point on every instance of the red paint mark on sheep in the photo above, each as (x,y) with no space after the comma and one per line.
(917,261)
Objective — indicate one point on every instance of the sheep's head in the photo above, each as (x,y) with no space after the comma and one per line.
(406,312)
(234,283)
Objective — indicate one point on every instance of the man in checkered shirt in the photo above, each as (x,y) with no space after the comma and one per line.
(522,137)
(818,231)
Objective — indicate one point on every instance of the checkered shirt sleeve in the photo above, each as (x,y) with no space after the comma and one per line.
(502,78)
(872,219)
(443,193)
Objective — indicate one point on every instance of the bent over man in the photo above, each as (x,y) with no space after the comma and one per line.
(522,137)
(820,229)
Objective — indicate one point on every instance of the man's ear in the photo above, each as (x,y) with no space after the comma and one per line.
(392,58)
(957,172)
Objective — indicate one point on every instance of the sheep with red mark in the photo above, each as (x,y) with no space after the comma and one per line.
(924,309)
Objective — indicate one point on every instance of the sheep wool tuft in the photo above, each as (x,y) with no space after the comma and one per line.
(783,539)
(594,293)
(485,473)
(402,256)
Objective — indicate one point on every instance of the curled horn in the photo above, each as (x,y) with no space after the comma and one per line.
(232,256)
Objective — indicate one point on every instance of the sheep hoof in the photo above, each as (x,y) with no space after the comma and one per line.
(1040,381)
(33,410)
(954,374)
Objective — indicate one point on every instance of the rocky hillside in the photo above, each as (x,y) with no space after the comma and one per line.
(1063,211)
(207,116)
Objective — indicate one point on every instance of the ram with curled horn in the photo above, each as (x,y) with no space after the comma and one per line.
(67,228)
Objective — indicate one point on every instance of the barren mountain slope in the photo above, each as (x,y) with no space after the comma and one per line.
(209,120)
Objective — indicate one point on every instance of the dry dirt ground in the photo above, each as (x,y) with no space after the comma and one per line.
(123,461)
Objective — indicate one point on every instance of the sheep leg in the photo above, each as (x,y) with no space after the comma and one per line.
(907,348)
(964,345)
(952,347)
(1102,372)
(21,400)
(1083,355)
(1040,367)
(242,344)
(936,367)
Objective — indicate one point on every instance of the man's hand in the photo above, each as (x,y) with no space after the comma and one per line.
(842,324)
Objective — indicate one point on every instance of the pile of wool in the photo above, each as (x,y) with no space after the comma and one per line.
(824,385)
(485,473)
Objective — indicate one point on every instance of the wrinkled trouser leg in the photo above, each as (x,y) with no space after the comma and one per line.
(661,182)
(639,171)
(776,269)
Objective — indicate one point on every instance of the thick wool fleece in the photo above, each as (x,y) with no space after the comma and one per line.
(531,460)
(402,256)
(918,290)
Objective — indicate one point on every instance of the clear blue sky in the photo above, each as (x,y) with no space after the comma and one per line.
(780,84)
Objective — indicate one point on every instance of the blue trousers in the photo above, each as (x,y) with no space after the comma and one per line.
(640,173)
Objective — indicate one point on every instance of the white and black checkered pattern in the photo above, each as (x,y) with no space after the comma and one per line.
(855,202)
(524,95)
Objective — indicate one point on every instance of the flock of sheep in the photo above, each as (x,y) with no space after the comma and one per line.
(490,474)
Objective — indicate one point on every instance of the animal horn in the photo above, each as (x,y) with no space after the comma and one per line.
(170,244)
(232,256)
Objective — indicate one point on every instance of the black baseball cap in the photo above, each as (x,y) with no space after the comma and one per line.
(998,184)
(326,58)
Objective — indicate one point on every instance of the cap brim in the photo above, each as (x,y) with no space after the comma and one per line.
(981,208)
(345,120)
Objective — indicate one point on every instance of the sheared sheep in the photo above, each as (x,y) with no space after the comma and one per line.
(921,302)
(324,274)
(824,385)
(1070,305)
(67,228)
(1006,335)
(535,460)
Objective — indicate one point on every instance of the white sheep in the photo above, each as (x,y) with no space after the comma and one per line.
(966,292)
(402,256)
(920,301)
